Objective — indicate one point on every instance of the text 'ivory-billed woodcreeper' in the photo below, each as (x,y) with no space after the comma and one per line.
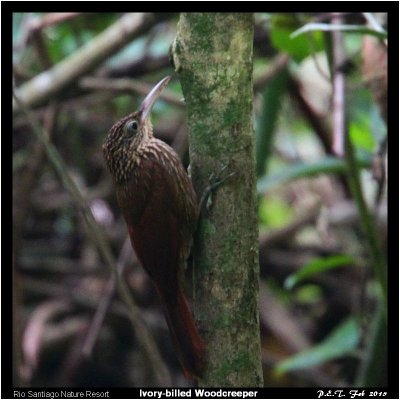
(160,208)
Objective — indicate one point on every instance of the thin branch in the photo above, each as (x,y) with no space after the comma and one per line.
(310,114)
(55,18)
(35,24)
(378,259)
(129,85)
(375,24)
(279,63)
(69,106)
(320,128)
(338,88)
(106,301)
(33,335)
(281,321)
(135,68)
(379,172)
(85,299)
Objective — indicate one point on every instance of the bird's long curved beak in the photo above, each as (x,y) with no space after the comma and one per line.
(151,98)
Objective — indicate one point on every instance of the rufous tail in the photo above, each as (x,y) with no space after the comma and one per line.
(184,333)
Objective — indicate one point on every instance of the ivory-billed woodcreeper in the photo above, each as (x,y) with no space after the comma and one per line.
(160,208)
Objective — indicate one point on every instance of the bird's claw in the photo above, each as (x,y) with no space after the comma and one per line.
(215,181)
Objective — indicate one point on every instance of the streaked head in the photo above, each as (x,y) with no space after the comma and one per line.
(126,135)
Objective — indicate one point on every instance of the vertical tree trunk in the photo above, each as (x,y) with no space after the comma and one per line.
(213,56)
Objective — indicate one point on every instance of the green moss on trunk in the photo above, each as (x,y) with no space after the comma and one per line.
(213,57)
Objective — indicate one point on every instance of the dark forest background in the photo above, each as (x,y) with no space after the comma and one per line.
(322,207)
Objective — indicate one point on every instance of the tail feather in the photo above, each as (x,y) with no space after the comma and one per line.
(184,333)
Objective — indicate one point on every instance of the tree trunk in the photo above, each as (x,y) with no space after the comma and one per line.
(213,54)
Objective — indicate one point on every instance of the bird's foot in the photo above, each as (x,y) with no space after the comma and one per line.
(215,181)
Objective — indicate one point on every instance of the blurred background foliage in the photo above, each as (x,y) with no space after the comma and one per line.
(322,311)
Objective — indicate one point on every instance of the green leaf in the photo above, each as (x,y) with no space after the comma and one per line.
(317,266)
(274,212)
(373,368)
(361,134)
(271,106)
(298,48)
(366,127)
(326,165)
(361,29)
(339,343)
(307,295)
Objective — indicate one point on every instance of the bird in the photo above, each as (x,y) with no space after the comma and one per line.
(160,208)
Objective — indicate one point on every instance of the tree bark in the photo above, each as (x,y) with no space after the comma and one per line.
(213,54)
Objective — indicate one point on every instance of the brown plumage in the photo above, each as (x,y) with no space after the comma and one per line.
(160,208)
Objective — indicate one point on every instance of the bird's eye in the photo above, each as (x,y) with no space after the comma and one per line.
(131,128)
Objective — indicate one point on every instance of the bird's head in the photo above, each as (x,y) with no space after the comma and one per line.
(126,135)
